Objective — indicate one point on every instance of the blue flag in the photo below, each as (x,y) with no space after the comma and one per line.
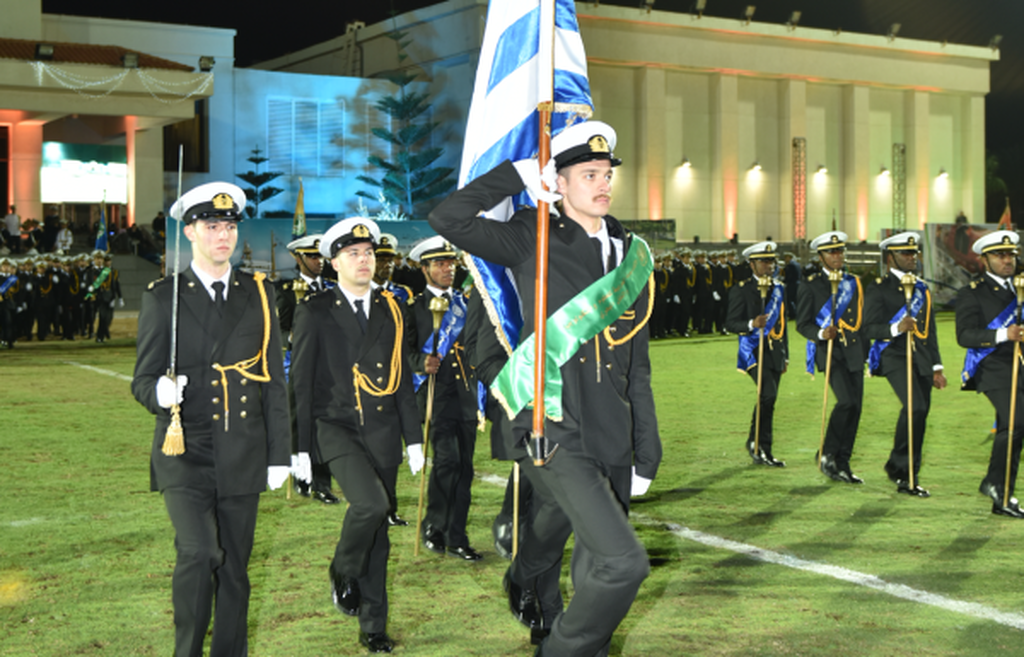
(101,229)
(513,76)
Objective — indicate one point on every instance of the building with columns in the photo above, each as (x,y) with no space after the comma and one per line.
(732,127)
(64,80)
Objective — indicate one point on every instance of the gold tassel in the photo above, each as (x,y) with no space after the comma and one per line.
(174,439)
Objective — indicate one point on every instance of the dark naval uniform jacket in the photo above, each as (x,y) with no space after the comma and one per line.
(327,344)
(455,390)
(744,305)
(239,429)
(850,348)
(977,304)
(884,300)
(606,397)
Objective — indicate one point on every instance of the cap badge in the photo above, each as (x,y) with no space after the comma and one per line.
(361,231)
(768,248)
(316,244)
(384,241)
(448,246)
(1006,239)
(911,241)
(835,238)
(223,201)
(598,144)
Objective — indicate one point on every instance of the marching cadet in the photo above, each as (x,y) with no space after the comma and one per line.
(349,358)
(385,269)
(681,285)
(888,318)
(820,323)
(103,289)
(988,325)
(306,251)
(46,286)
(230,389)
(703,300)
(9,288)
(757,307)
(454,420)
(606,437)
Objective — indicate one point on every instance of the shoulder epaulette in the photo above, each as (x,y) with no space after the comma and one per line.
(813,276)
(158,282)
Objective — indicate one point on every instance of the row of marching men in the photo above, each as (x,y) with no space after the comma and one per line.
(62,296)
(367,370)
(889,327)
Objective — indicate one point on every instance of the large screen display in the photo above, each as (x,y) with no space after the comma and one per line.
(84,173)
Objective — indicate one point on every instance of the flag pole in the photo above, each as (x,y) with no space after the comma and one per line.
(546,89)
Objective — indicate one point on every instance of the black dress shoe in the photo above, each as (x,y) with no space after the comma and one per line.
(850,478)
(829,469)
(376,641)
(768,459)
(1012,509)
(395,521)
(757,457)
(301,487)
(523,603)
(903,486)
(345,594)
(325,496)
(433,540)
(465,553)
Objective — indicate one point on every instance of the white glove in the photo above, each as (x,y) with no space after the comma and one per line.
(675,299)
(120,303)
(28,287)
(715,294)
(55,278)
(167,393)
(529,173)
(302,468)
(639,485)
(416,460)
(112,303)
(276,476)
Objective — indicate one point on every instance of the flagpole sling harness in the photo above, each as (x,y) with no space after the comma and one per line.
(98,283)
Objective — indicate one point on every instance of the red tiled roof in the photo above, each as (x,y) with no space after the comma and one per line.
(82,53)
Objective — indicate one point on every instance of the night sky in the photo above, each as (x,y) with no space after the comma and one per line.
(264,35)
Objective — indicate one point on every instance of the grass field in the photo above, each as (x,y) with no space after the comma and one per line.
(86,551)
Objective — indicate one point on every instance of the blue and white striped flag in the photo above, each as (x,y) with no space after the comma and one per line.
(517,60)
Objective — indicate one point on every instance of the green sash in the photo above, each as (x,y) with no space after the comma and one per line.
(568,328)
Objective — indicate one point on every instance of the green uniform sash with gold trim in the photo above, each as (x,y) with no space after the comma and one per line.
(568,328)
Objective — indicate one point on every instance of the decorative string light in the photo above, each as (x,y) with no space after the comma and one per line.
(102,87)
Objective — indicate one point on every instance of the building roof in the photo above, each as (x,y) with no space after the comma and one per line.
(82,53)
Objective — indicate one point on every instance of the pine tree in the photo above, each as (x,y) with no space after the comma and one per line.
(411,178)
(260,192)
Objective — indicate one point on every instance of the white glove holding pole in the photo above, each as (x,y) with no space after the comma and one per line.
(639,485)
(416,460)
(529,172)
(168,393)
(302,467)
(276,476)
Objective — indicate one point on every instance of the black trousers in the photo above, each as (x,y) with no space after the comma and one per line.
(213,539)
(848,388)
(997,462)
(899,458)
(769,393)
(106,315)
(451,478)
(574,493)
(363,546)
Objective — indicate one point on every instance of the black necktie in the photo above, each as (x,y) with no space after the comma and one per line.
(314,287)
(218,296)
(599,250)
(360,315)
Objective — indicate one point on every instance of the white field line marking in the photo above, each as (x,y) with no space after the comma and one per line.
(861,579)
(99,370)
